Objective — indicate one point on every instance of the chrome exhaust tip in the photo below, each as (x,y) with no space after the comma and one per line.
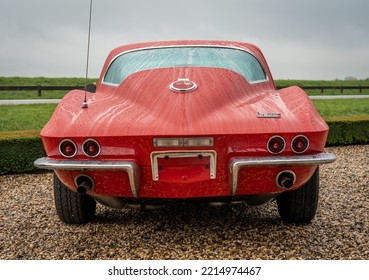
(286,179)
(84,184)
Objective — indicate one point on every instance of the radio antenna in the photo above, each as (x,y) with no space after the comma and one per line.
(84,104)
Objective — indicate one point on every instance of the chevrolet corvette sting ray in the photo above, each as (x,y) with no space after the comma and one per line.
(185,120)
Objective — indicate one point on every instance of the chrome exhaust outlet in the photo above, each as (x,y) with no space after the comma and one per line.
(84,184)
(286,179)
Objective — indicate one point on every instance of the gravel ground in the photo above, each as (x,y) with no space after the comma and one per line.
(30,229)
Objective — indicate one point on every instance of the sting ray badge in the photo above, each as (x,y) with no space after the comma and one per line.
(268,115)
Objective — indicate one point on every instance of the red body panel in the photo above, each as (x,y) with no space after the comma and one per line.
(126,119)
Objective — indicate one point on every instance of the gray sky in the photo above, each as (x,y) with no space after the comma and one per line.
(311,39)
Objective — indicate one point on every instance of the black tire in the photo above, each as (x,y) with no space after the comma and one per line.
(300,206)
(71,207)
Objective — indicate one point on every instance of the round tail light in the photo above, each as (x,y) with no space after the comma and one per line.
(300,144)
(68,148)
(91,148)
(276,144)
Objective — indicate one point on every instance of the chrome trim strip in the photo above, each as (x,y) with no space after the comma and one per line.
(129,166)
(260,81)
(235,164)
(183,46)
(182,154)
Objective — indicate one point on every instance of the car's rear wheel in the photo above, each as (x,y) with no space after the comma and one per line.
(300,206)
(71,207)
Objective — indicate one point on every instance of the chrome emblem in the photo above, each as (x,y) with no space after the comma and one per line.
(268,115)
(183,85)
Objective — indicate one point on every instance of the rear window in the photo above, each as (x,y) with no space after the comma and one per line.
(236,60)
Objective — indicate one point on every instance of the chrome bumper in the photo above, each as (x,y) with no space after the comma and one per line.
(129,166)
(235,164)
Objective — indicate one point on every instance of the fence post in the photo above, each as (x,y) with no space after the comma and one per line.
(321,90)
(341,89)
(39,90)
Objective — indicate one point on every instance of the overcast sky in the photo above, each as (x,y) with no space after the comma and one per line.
(312,39)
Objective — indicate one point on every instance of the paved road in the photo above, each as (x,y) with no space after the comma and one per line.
(55,101)
(29,101)
(339,96)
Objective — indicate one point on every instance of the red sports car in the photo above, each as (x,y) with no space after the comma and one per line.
(185,120)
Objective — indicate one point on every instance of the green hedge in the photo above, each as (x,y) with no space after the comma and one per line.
(19,150)
(348,131)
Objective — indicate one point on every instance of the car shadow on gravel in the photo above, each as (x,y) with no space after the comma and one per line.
(195,230)
(186,219)
(195,213)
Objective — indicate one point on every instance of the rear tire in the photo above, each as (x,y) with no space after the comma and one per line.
(71,207)
(300,206)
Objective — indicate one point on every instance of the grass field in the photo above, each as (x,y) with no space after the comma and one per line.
(25,117)
(342,107)
(34,117)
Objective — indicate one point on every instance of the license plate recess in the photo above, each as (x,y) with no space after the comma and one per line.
(183,166)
